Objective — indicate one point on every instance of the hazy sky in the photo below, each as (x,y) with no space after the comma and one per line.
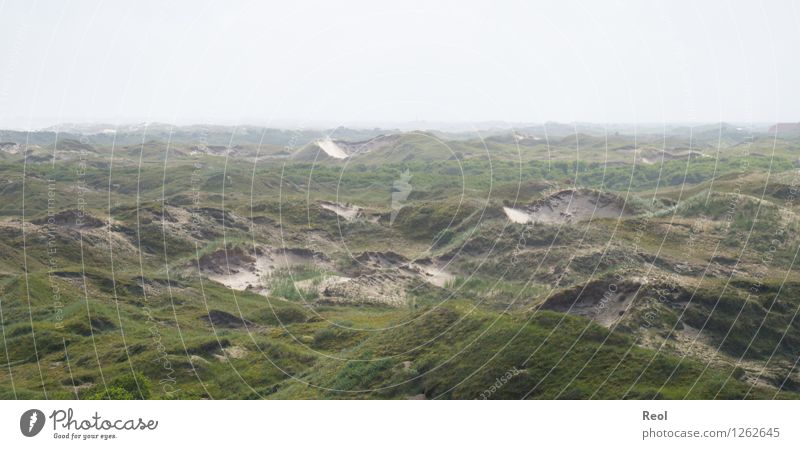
(371,62)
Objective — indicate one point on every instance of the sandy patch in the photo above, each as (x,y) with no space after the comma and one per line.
(231,352)
(426,269)
(381,288)
(10,147)
(377,259)
(381,278)
(432,274)
(235,352)
(331,148)
(377,143)
(197,360)
(348,212)
(568,206)
(517,215)
(241,270)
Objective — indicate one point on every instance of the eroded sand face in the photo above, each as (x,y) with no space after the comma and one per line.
(332,149)
(242,271)
(517,215)
(432,274)
(349,213)
(243,277)
(569,206)
(372,288)
(577,205)
(382,279)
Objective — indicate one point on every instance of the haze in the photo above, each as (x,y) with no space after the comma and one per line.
(307,63)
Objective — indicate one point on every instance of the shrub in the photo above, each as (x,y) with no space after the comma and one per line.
(112,393)
(129,386)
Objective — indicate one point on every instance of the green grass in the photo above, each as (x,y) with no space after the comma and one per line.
(143,316)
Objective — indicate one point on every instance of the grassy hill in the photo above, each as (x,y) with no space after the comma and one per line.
(220,264)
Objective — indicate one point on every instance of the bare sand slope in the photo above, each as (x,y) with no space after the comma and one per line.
(571,205)
(519,216)
(241,270)
(332,149)
(348,212)
(380,278)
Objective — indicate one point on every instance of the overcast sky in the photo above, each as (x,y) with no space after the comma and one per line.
(364,62)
